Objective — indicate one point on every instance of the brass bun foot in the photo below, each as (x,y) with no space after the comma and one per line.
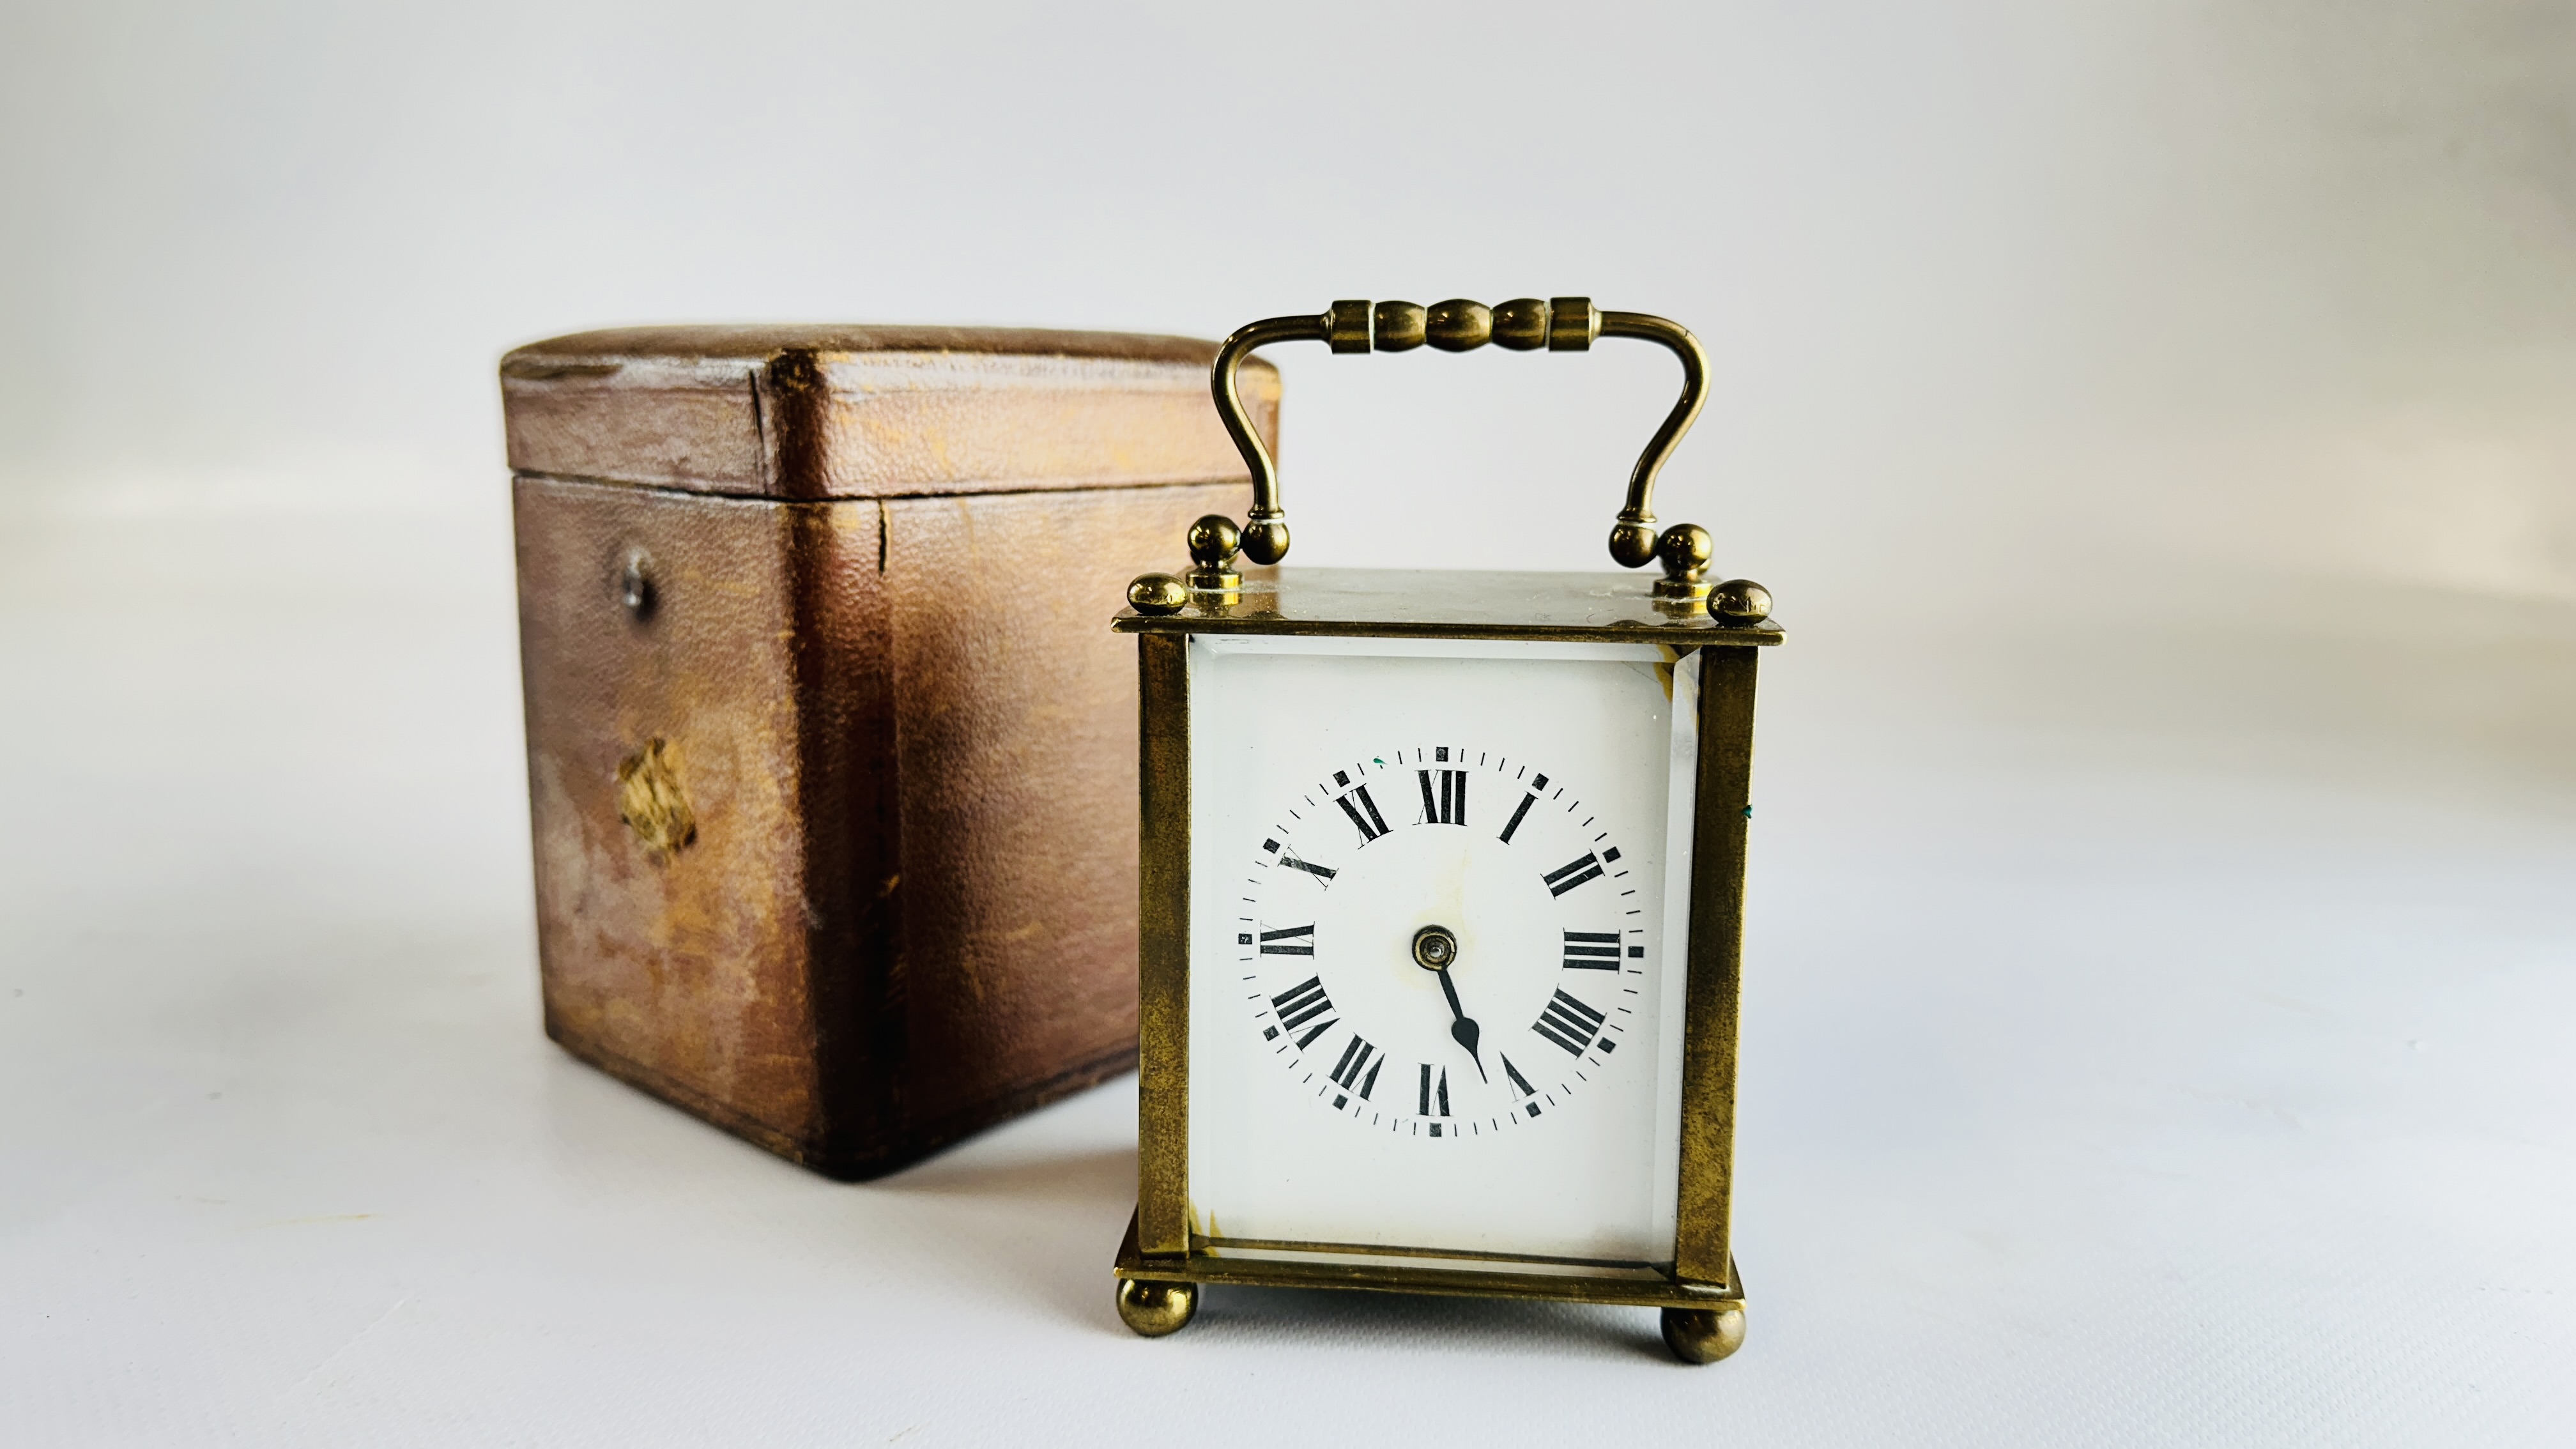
(1695,1335)
(1154,1309)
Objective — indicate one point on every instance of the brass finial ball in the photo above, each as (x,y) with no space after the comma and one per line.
(1266,541)
(1157,594)
(1214,540)
(1632,544)
(1685,549)
(1740,601)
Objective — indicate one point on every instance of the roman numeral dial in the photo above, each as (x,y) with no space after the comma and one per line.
(1587,950)
(1569,1023)
(1292,941)
(1357,1057)
(1446,802)
(1463,965)
(1293,861)
(1363,813)
(1566,877)
(1521,811)
(1302,1003)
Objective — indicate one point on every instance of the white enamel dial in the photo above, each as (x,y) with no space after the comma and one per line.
(1437,926)
(1446,942)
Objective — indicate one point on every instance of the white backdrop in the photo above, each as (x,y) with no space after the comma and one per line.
(2153,419)
(2288,282)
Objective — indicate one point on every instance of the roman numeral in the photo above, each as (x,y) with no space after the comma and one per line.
(1586,950)
(1435,1090)
(1520,1083)
(1569,1023)
(1449,806)
(1566,877)
(1302,1003)
(1372,825)
(1289,858)
(1358,1055)
(1289,944)
(1526,802)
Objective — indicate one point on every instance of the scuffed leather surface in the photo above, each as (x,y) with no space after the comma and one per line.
(908,739)
(766,339)
(688,976)
(849,412)
(1017,734)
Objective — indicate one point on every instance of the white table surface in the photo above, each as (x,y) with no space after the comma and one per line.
(2155,1034)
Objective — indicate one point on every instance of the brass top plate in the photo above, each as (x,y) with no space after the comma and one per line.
(1450,604)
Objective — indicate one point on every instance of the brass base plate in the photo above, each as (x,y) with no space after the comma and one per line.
(1408,1278)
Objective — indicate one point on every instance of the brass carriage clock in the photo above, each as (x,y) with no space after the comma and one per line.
(1443,880)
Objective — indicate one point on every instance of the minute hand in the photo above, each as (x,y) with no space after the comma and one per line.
(1464,1028)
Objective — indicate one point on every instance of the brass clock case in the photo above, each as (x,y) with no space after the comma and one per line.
(1726,623)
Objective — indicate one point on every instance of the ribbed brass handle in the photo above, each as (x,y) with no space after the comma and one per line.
(1526,324)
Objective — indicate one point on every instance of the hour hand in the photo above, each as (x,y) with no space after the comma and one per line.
(1435,949)
(1463,1029)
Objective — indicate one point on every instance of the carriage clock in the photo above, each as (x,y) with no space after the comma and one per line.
(1442,906)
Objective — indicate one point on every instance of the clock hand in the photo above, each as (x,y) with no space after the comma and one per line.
(1435,949)
(1464,1028)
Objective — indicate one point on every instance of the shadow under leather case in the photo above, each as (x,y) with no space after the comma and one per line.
(831,755)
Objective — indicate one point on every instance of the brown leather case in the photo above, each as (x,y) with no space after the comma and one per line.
(832,760)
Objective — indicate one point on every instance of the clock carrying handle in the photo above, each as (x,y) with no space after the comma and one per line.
(1559,324)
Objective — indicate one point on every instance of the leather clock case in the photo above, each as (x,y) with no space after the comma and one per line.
(831,758)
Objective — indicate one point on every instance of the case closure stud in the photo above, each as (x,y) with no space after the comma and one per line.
(635,586)
(1739,604)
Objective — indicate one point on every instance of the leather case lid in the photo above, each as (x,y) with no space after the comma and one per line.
(758,341)
(872,411)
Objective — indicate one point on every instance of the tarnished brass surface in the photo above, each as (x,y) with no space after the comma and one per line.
(1572,324)
(1561,324)
(1461,604)
(1699,1289)
(1163,955)
(1520,325)
(1685,549)
(1213,543)
(1435,948)
(1347,326)
(1154,1308)
(651,801)
(1458,325)
(1740,604)
(1704,1335)
(1725,806)
(1632,539)
(1157,594)
(1265,533)
(1360,603)
(1400,327)
(1406,1278)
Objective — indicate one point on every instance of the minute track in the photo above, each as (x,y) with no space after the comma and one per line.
(1344,1012)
